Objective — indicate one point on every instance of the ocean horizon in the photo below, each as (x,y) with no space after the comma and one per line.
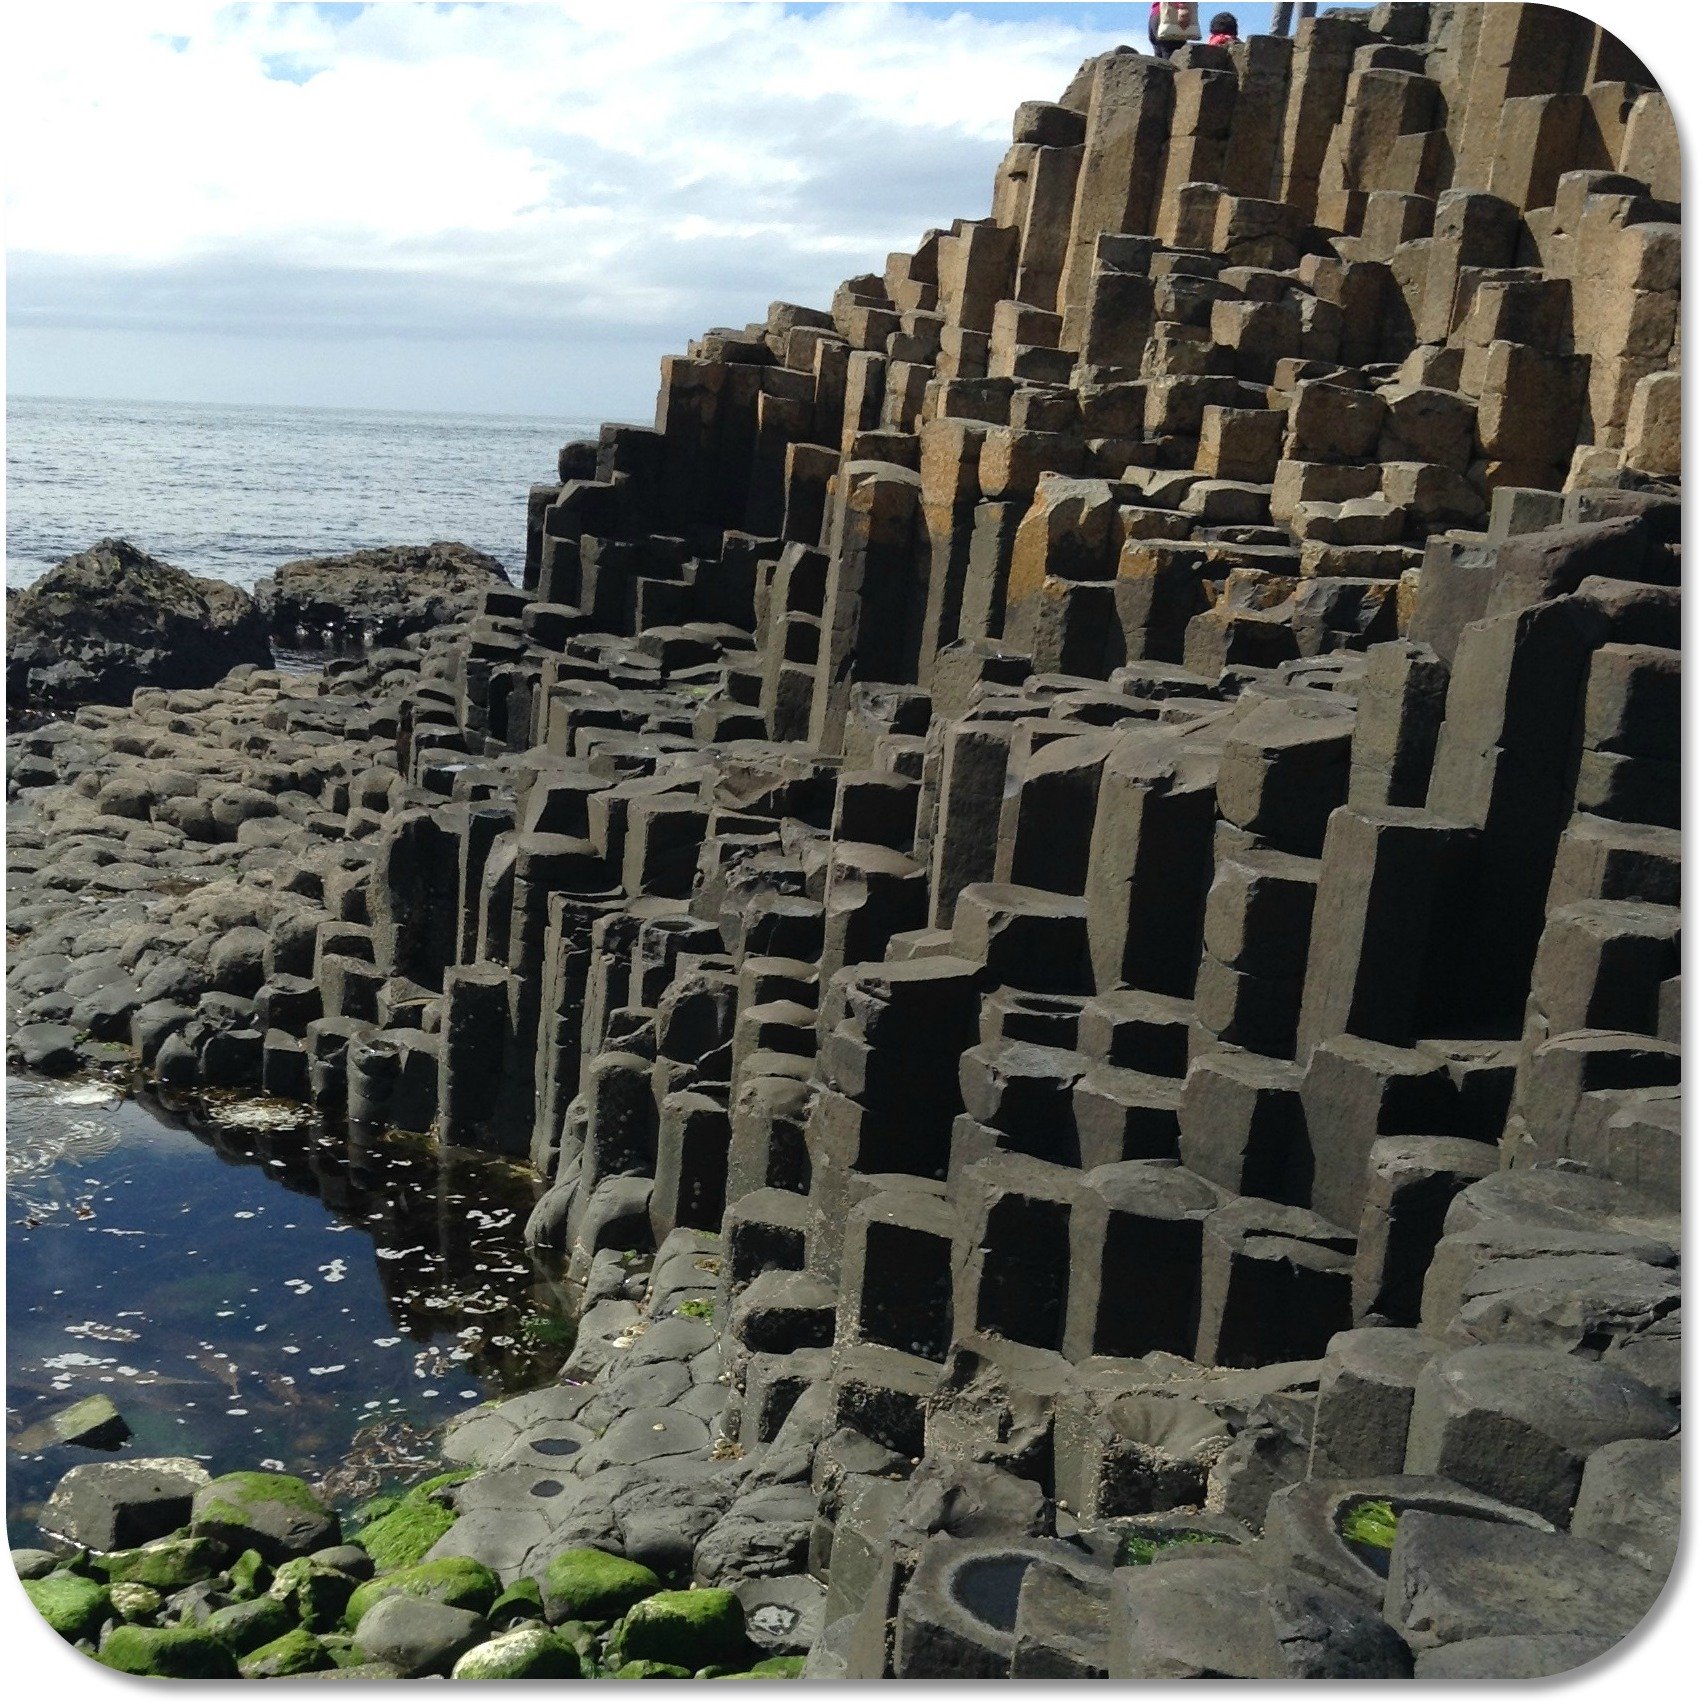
(233,490)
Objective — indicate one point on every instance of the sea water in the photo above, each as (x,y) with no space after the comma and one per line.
(252,1295)
(232,492)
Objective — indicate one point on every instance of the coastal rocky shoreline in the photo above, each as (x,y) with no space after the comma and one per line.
(113,618)
(1068,878)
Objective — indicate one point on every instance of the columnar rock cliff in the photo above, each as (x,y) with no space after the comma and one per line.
(1083,841)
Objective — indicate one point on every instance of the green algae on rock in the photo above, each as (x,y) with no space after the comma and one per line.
(177,1654)
(769,1669)
(698,1626)
(521,1601)
(250,1574)
(594,1586)
(316,1593)
(457,1581)
(73,1606)
(133,1602)
(405,1530)
(521,1654)
(245,1628)
(784,1669)
(94,1423)
(278,1515)
(294,1653)
(168,1564)
(1139,1549)
(1370,1522)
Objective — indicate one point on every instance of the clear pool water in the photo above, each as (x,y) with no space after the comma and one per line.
(255,1295)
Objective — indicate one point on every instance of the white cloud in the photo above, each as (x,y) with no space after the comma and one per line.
(640,168)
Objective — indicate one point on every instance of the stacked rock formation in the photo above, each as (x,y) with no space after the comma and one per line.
(1086,840)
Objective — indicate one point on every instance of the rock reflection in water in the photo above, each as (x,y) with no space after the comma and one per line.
(330,1324)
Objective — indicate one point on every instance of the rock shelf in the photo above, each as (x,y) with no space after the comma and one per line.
(1069,876)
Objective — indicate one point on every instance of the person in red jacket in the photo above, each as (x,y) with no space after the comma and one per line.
(1222,30)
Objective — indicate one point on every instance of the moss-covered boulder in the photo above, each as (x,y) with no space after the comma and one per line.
(642,1669)
(169,1565)
(587,1640)
(94,1423)
(345,1654)
(73,1606)
(250,1625)
(250,1574)
(457,1581)
(406,1531)
(277,1515)
(523,1601)
(133,1602)
(696,1627)
(317,1594)
(177,1654)
(406,1535)
(296,1653)
(777,1669)
(594,1586)
(522,1654)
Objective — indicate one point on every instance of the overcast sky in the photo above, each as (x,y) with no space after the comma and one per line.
(506,207)
(486,206)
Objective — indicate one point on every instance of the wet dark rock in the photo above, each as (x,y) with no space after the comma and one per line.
(417,1636)
(44,1047)
(109,1505)
(350,1560)
(94,1423)
(378,596)
(783,1613)
(30,1564)
(1453,1578)
(1511,1657)
(112,619)
(277,1515)
(765,1533)
(1629,1501)
(1219,1614)
(1152,1170)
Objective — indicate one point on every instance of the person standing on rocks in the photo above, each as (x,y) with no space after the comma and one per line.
(1173,25)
